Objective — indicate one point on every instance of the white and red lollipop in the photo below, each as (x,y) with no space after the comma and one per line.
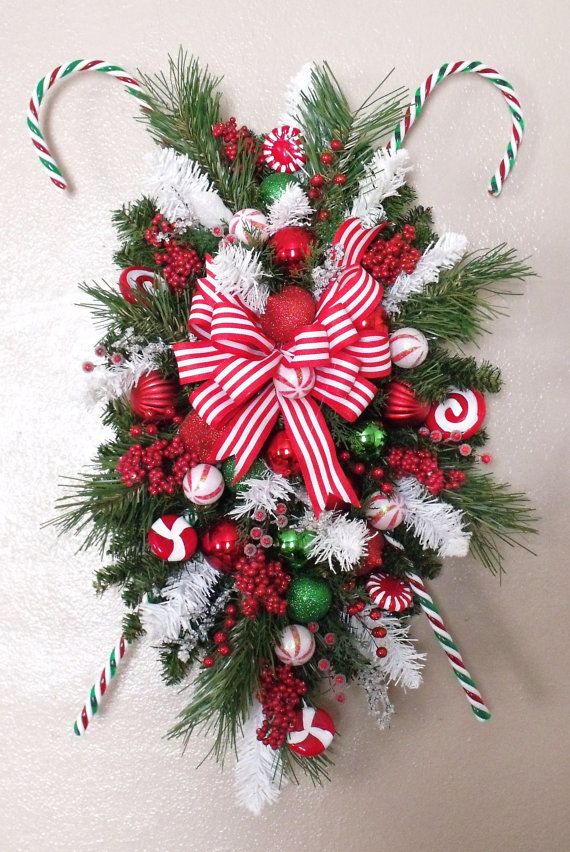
(136,279)
(172,538)
(463,413)
(282,149)
(313,732)
(389,592)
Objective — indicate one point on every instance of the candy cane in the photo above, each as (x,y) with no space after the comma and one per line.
(513,103)
(100,687)
(61,72)
(469,686)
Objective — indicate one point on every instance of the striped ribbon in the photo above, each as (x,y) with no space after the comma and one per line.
(453,653)
(99,688)
(46,159)
(506,89)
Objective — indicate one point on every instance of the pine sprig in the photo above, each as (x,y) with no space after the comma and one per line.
(432,379)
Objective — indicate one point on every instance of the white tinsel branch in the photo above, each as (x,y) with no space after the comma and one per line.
(383,176)
(113,381)
(300,84)
(292,207)
(339,540)
(438,525)
(326,273)
(183,192)
(444,254)
(258,779)
(184,598)
(263,492)
(372,680)
(403,663)
(239,272)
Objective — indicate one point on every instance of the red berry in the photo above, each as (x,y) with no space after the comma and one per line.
(219,637)
(313,193)
(486,458)
(381,651)
(337,145)
(359,468)
(317,181)
(323,215)
(208,662)
(326,158)
(377,473)
(224,650)
(379,632)
(340,180)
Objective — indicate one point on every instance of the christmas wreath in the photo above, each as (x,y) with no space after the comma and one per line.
(296,436)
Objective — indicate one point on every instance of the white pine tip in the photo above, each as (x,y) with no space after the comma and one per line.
(258,777)
(292,207)
(339,540)
(384,175)
(239,272)
(402,664)
(261,493)
(438,525)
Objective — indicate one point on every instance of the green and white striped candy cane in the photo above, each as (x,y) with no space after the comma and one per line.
(100,687)
(453,653)
(132,86)
(461,67)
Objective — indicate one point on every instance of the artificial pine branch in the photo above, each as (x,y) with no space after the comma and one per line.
(441,370)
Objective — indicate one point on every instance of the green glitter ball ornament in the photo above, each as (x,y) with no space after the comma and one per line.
(308,598)
(256,471)
(367,441)
(273,185)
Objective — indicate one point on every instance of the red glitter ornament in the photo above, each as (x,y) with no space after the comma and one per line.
(280,455)
(292,246)
(153,396)
(286,312)
(198,437)
(374,556)
(220,545)
(401,405)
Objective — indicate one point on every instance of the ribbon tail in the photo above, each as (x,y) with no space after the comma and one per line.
(314,447)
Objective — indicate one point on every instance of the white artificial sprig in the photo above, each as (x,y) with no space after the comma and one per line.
(299,85)
(258,779)
(403,663)
(384,175)
(292,207)
(339,540)
(445,253)
(238,271)
(371,679)
(261,493)
(113,381)
(326,273)
(183,191)
(438,525)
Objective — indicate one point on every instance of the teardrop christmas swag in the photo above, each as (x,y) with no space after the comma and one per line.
(297,440)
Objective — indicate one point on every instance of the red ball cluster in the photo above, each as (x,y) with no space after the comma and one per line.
(280,697)
(232,138)
(178,262)
(263,583)
(423,465)
(162,465)
(385,259)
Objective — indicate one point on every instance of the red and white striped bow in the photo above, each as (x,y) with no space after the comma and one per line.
(248,381)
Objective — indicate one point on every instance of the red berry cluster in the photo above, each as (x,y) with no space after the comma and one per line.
(280,696)
(178,262)
(263,583)
(385,259)
(423,465)
(163,464)
(232,137)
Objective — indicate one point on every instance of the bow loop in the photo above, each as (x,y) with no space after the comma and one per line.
(233,329)
(310,347)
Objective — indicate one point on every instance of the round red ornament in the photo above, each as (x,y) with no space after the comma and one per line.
(221,546)
(375,322)
(282,150)
(463,412)
(402,407)
(374,555)
(286,312)
(136,279)
(172,538)
(312,733)
(281,456)
(389,592)
(292,246)
(197,436)
(153,397)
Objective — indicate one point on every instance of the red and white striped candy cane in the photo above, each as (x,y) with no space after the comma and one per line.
(99,688)
(461,67)
(444,638)
(132,86)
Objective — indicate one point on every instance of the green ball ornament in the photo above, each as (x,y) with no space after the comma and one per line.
(273,185)
(306,539)
(289,544)
(256,471)
(308,598)
(368,441)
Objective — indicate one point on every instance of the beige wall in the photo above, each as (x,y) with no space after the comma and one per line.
(438,780)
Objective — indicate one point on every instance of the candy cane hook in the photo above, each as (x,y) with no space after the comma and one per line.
(99,688)
(506,89)
(132,86)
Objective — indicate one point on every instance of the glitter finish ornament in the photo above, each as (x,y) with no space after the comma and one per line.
(273,185)
(282,149)
(286,312)
(153,398)
(294,382)
(374,553)
(383,512)
(296,645)
(402,407)
(135,280)
(408,348)
(368,440)
(221,545)
(309,598)
(197,436)
(172,539)
(280,455)
(389,593)
(203,484)
(461,414)
(292,246)
(248,226)
(312,733)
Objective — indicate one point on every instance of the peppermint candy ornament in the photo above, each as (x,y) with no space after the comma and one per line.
(383,512)
(389,592)
(282,149)
(203,484)
(294,382)
(248,225)
(312,733)
(172,538)
(408,348)
(463,412)
(296,645)
(136,279)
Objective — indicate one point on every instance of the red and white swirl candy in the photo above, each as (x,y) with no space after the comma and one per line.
(383,512)
(248,225)
(282,149)
(462,412)
(296,645)
(294,382)
(172,538)
(203,484)
(136,279)
(389,592)
(313,732)
(408,348)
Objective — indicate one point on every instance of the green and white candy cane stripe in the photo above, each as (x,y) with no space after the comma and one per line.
(494,77)
(460,671)
(132,86)
(100,687)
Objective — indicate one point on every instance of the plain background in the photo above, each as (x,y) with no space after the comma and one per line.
(438,780)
